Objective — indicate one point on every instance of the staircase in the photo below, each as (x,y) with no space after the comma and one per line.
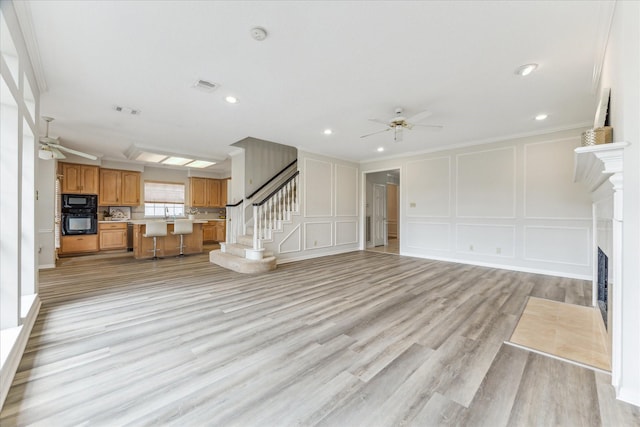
(243,250)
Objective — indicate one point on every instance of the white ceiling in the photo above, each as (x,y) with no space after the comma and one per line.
(323,65)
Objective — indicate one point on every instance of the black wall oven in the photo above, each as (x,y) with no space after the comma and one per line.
(79,214)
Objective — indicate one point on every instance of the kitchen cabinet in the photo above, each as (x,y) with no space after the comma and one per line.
(168,245)
(82,243)
(207,192)
(79,179)
(214,231)
(119,188)
(112,236)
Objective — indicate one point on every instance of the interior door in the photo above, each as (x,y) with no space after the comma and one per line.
(379,212)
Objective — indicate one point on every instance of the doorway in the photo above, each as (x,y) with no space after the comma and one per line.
(382,226)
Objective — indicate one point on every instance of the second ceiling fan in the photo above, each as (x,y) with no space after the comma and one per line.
(398,123)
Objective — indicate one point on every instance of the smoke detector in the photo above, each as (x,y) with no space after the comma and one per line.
(258,33)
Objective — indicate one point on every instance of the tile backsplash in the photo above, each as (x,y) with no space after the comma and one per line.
(137,212)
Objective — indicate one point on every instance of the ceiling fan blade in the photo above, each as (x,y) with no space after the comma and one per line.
(384,122)
(432,127)
(77,153)
(419,117)
(373,133)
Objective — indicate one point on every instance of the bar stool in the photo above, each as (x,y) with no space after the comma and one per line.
(155,229)
(182,227)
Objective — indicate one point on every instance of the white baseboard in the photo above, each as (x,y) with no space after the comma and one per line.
(46,266)
(629,396)
(10,366)
(504,266)
(314,255)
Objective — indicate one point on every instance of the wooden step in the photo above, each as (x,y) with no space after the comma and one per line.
(242,265)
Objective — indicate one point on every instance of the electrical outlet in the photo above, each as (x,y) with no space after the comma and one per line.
(412,204)
(315,243)
(471,248)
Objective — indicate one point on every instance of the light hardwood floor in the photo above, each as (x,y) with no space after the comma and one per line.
(360,339)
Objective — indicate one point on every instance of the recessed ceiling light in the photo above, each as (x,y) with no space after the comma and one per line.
(328,131)
(176,161)
(525,70)
(380,149)
(540,117)
(231,99)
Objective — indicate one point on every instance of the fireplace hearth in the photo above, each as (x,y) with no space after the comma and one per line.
(603,284)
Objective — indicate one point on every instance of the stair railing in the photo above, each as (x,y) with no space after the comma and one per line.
(276,207)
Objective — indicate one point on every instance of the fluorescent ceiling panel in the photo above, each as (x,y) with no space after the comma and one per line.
(176,161)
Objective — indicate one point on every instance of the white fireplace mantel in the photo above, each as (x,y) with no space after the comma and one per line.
(594,165)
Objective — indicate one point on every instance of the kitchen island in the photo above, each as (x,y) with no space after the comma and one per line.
(169,245)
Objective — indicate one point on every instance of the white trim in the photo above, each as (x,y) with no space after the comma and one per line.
(335,232)
(524,244)
(514,183)
(23,13)
(9,368)
(628,395)
(450,196)
(513,236)
(335,193)
(331,244)
(553,356)
(46,266)
(311,256)
(501,266)
(431,223)
(285,238)
(447,147)
(308,193)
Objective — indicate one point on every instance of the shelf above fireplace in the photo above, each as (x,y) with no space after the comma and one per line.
(596,163)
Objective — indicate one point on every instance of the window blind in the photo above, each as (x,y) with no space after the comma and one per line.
(163,192)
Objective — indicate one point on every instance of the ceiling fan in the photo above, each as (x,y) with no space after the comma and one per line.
(50,147)
(398,123)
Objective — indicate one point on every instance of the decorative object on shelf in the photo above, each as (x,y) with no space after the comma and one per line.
(106,215)
(601,135)
(192,212)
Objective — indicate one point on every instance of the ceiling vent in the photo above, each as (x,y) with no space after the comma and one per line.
(126,110)
(205,86)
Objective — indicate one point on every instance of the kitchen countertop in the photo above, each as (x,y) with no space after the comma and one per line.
(144,221)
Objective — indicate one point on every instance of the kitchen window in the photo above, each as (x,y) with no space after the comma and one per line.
(163,199)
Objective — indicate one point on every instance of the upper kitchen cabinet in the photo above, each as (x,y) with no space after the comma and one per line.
(119,188)
(207,192)
(79,179)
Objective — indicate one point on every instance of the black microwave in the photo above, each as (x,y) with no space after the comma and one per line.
(79,201)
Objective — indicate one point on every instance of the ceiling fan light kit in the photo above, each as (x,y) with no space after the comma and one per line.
(50,148)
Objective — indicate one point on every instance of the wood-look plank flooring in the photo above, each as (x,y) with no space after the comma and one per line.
(568,331)
(359,339)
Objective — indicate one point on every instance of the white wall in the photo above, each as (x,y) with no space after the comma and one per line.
(510,204)
(620,73)
(328,222)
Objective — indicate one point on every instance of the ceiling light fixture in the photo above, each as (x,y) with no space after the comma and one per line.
(231,99)
(176,161)
(541,117)
(45,154)
(328,132)
(200,164)
(525,70)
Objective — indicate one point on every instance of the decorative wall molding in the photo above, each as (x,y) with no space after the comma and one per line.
(342,185)
(411,234)
(587,239)
(339,233)
(325,232)
(512,215)
(325,171)
(512,228)
(290,235)
(449,186)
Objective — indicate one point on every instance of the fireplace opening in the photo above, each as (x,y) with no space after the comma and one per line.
(603,284)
